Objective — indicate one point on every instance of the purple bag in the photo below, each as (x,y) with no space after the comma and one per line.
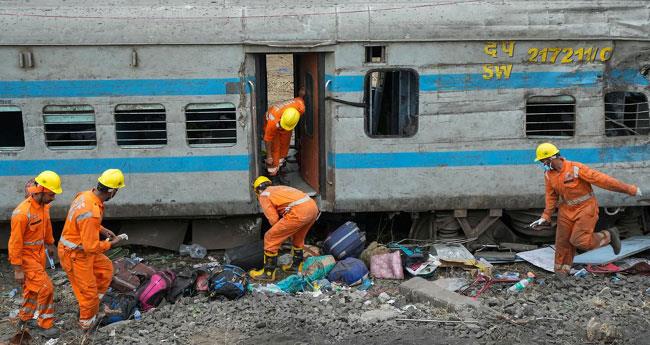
(151,293)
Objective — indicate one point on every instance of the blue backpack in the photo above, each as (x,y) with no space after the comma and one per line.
(228,281)
(350,271)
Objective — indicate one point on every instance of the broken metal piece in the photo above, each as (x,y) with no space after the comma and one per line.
(605,255)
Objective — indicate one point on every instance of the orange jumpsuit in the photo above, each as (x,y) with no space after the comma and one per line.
(291,214)
(81,252)
(570,190)
(275,133)
(31,229)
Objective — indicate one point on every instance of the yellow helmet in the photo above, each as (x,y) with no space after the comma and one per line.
(50,180)
(260,180)
(545,150)
(112,178)
(289,119)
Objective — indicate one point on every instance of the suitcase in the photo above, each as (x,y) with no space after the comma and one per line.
(247,256)
(346,241)
(129,274)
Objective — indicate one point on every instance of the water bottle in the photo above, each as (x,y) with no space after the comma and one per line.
(581,274)
(136,315)
(521,285)
(197,251)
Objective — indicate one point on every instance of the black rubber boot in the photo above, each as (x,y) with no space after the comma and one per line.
(615,239)
(266,273)
(297,257)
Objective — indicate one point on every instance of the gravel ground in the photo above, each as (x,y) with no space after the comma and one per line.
(593,310)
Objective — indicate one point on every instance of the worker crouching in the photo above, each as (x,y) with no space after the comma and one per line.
(291,213)
(81,252)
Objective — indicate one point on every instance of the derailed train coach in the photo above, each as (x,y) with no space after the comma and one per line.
(427,109)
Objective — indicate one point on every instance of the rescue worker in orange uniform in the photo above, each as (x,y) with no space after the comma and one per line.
(81,252)
(281,119)
(291,214)
(568,187)
(31,231)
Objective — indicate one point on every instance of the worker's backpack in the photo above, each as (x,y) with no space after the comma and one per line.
(228,281)
(152,292)
(117,307)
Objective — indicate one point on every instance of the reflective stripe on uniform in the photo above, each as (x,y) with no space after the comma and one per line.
(296,203)
(46,316)
(579,200)
(84,215)
(34,243)
(45,306)
(70,244)
(299,201)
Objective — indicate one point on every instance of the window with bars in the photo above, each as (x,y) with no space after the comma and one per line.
(12,134)
(550,116)
(211,124)
(69,126)
(138,125)
(626,113)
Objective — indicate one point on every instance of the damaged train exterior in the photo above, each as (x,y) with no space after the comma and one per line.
(413,107)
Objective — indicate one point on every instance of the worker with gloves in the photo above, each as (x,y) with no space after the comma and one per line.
(81,252)
(281,119)
(31,232)
(568,187)
(291,213)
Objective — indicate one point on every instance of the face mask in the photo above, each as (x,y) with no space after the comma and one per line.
(545,167)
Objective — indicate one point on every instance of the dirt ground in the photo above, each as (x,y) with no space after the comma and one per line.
(551,311)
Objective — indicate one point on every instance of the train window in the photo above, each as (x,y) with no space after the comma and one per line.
(375,54)
(138,125)
(391,98)
(69,126)
(12,135)
(626,113)
(550,116)
(211,124)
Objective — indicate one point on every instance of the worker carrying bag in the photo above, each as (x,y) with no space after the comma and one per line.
(228,281)
(346,241)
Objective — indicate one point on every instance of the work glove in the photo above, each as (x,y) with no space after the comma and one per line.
(538,222)
(273,171)
(638,192)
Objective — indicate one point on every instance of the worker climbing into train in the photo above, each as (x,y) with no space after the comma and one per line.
(291,213)
(31,236)
(81,252)
(281,119)
(568,187)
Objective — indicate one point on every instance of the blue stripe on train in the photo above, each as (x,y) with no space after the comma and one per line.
(517,80)
(340,83)
(130,165)
(111,88)
(386,160)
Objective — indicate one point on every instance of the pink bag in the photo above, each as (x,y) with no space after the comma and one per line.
(387,266)
(151,293)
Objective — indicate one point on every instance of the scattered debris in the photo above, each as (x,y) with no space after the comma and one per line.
(605,255)
(543,258)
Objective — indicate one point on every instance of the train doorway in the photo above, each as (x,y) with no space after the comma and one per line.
(279,77)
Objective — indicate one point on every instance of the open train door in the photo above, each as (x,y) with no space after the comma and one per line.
(309,72)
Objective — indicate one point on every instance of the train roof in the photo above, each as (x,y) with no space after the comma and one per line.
(316,22)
